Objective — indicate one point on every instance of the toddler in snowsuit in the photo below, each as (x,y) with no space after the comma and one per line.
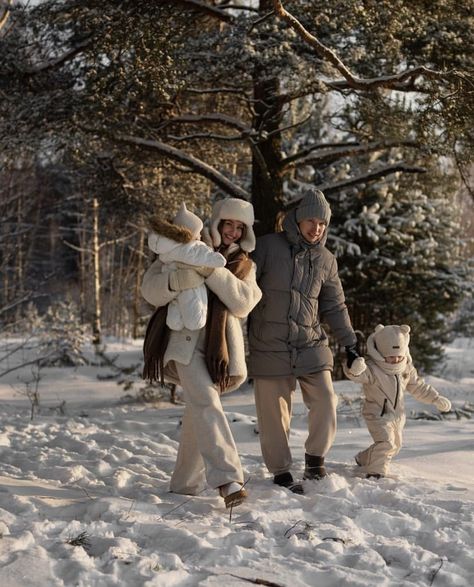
(178,246)
(385,375)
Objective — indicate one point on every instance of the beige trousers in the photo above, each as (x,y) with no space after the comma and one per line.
(207,451)
(273,400)
(387,435)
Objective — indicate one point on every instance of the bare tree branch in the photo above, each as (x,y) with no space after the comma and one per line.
(331,188)
(217,118)
(463,175)
(206,135)
(5,9)
(26,298)
(67,56)
(329,153)
(402,81)
(228,90)
(334,188)
(289,126)
(190,162)
(202,7)
(239,7)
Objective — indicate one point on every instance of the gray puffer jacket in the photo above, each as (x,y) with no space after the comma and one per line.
(301,288)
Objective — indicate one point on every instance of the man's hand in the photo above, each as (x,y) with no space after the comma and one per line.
(352,353)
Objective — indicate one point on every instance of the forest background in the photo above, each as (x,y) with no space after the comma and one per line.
(112,111)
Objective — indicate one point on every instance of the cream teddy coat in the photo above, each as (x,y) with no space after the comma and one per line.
(239,296)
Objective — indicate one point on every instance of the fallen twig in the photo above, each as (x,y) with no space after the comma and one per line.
(435,572)
(258,581)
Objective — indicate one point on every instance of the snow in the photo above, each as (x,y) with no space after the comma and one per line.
(84,495)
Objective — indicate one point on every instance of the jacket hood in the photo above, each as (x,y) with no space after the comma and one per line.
(174,232)
(188,220)
(293,233)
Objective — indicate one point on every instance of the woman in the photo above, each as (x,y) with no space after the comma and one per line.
(210,360)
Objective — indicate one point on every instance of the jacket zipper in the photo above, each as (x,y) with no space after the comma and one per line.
(310,276)
(398,392)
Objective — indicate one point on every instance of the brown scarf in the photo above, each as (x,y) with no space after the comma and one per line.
(156,340)
(217,353)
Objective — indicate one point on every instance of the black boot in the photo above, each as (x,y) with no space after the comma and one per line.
(314,467)
(374,476)
(286,480)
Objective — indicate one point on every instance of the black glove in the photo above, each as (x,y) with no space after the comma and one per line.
(352,353)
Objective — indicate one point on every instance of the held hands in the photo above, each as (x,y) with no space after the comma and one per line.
(443,404)
(184,279)
(358,367)
(352,353)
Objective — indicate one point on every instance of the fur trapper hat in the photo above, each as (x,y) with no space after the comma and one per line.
(392,341)
(313,205)
(234,209)
(189,220)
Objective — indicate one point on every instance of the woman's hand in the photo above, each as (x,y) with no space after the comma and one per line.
(182,279)
(204,271)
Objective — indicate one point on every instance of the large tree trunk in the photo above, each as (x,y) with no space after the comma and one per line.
(267,181)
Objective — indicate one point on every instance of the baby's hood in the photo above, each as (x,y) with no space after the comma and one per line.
(165,236)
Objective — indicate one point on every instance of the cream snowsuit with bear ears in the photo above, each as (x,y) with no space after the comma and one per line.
(384,387)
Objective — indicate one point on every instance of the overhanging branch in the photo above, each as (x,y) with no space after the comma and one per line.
(201,7)
(329,153)
(402,81)
(5,9)
(332,188)
(213,118)
(191,162)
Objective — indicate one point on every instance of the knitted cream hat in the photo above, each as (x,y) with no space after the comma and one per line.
(392,341)
(313,205)
(234,209)
(186,218)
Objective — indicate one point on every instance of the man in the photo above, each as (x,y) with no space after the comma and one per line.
(301,289)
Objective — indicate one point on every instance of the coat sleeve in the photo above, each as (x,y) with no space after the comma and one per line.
(333,309)
(258,255)
(419,389)
(155,287)
(197,253)
(240,296)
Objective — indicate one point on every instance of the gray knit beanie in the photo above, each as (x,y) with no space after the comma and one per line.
(313,205)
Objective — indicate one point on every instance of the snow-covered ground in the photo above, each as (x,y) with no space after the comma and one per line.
(84,495)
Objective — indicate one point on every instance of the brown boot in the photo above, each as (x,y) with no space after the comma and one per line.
(233,494)
(314,467)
